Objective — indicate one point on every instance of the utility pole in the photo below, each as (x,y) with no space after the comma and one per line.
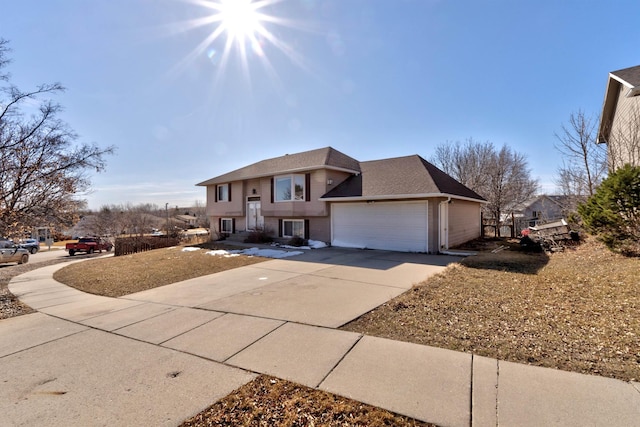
(166,208)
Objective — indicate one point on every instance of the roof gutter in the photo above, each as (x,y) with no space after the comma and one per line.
(400,197)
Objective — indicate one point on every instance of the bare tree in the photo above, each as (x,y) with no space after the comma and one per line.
(42,168)
(117,220)
(509,182)
(502,176)
(584,161)
(466,161)
(200,211)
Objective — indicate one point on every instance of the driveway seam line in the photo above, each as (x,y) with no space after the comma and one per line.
(249,345)
(497,390)
(366,283)
(50,341)
(339,361)
(136,322)
(471,395)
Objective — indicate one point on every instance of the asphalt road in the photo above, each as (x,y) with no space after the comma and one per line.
(46,255)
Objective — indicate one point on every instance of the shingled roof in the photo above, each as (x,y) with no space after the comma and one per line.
(630,76)
(627,77)
(400,177)
(322,158)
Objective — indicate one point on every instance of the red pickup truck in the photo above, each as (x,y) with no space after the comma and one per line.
(88,245)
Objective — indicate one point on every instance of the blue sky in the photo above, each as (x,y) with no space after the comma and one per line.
(371,78)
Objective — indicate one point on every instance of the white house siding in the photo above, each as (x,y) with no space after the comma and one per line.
(624,138)
(464,221)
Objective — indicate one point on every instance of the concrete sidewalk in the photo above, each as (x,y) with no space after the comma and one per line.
(160,356)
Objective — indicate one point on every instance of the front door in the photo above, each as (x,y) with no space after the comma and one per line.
(255,220)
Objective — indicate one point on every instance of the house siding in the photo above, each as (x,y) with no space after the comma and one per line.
(464,222)
(234,207)
(315,210)
(624,137)
(400,182)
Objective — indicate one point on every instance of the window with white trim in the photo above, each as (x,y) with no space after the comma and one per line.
(289,188)
(223,192)
(226,225)
(292,228)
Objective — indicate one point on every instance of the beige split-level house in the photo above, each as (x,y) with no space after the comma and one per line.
(620,119)
(402,204)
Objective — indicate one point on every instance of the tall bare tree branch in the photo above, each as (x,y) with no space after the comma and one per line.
(584,162)
(42,166)
(502,176)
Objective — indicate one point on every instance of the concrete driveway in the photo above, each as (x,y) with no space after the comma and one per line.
(327,287)
(162,355)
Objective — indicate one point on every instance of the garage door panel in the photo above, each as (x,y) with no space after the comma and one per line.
(400,226)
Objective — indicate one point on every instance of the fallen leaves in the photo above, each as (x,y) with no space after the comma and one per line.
(269,401)
(578,310)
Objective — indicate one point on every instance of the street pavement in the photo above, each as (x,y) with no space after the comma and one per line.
(160,356)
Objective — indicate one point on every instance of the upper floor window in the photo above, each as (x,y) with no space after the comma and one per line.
(223,193)
(290,188)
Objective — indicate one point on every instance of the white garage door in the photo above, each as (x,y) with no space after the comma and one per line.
(396,226)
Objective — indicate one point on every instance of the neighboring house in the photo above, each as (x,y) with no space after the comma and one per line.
(188,220)
(536,210)
(403,204)
(620,120)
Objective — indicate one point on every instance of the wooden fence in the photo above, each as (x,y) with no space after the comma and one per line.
(132,245)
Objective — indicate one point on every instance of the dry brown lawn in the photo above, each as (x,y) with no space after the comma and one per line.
(269,401)
(577,311)
(118,276)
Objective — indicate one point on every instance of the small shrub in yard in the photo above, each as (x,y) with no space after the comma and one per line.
(297,241)
(259,236)
(613,212)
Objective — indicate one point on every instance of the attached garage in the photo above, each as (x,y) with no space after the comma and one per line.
(396,226)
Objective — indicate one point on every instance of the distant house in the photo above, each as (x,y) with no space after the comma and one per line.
(620,119)
(537,210)
(189,220)
(401,204)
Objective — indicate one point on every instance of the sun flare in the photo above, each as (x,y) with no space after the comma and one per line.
(240,19)
(240,29)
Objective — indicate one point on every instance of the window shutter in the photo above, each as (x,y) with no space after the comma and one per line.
(306,229)
(307,187)
(233,225)
(229,191)
(271,190)
(220,225)
(279,228)
(216,193)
